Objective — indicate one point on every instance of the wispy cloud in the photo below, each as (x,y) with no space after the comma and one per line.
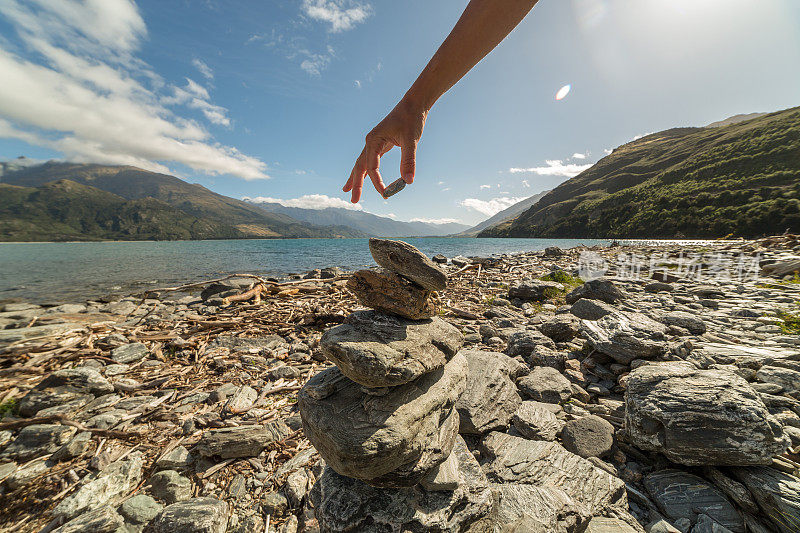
(314,63)
(525,183)
(578,155)
(486,186)
(203,68)
(437,220)
(342,15)
(308,201)
(554,167)
(490,207)
(82,90)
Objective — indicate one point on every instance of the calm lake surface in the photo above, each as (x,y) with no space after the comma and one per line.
(81,270)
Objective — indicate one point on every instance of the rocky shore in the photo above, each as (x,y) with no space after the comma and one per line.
(501,394)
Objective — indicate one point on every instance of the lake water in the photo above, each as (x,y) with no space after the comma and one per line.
(80,270)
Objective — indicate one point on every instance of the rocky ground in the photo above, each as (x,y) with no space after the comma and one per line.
(621,404)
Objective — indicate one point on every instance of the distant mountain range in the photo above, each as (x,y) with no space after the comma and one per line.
(739,176)
(505,215)
(67,201)
(362,221)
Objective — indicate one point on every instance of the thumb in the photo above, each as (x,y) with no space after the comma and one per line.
(408,161)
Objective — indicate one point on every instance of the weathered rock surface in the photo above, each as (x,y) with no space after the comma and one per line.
(523,343)
(198,515)
(680,495)
(535,290)
(369,436)
(589,436)
(626,336)
(100,520)
(243,441)
(534,421)
(545,384)
(378,350)
(64,386)
(37,440)
(490,397)
(140,509)
(534,509)
(596,289)
(409,262)
(561,328)
(541,463)
(591,309)
(130,353)
(345,504)
(700,417)
(777,493)
(391,293)
(600,524)
(688,321)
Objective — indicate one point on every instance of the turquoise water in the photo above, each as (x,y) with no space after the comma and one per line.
(80,270)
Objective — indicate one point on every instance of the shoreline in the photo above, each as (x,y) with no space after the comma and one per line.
(184,375)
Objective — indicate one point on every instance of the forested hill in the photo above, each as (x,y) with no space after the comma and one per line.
(741,179)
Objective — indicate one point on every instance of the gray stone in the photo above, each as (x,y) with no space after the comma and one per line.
(170,486)
(596,289)
(533,509)
(178,457)
(198,515)
(535,290)
(27,472)
(777,493)
(140,509)
(378,350)
(545,384)
(37,440)
(130,353)
(404,259)
(49,330)
(393,188)
(562,328)
(700,417)
(523,343)
(659,525)
(590,436)
(444,476)
(536,422)
(64,386)
(100,520)
(75,447)
(490,397)
(275,503)
(242,441)
(392,439)
(787,379)
(626,336)
(600,524)
(591,309)
(659,286)
(680,495)
(296,487)
(344,504)
(688,321)
(107,486)
(242,399)
(706,524)
(519,461)
(736,491)
(391,293)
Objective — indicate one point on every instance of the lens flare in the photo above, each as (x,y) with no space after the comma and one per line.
(563,92)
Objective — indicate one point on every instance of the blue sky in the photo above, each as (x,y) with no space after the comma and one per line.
(273,98)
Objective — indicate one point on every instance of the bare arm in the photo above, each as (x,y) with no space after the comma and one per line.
(481,27)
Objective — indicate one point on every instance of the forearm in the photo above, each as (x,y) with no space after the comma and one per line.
(481,27)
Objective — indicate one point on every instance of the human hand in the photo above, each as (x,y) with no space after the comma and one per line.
(402,127)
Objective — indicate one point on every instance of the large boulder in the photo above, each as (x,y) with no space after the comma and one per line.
(490,397)
(516,460)
(391,293)
(345,504)
(626,336)
(390,438)
(401,257)
(378,350)
(700,417)
(680,495)
(596,289)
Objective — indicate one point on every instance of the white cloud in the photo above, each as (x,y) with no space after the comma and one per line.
(314,64)
(342,15)
(637,137)
(358,84)
(308,201)
(446,189)
(525,183)
(203,68)
(577,155)
(437,220)
(440,183)
(490,207)
(486,186)
(88,96)
(607,151)
(555,167)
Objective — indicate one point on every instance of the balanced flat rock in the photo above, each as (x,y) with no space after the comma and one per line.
(379,350)
(406,260)
(391,293)
(369,436)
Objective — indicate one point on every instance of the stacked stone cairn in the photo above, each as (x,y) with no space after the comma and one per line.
(385,419)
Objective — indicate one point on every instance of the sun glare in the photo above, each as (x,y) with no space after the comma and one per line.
(563,92)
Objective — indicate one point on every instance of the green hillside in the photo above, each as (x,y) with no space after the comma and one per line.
(741,179)
(154,206)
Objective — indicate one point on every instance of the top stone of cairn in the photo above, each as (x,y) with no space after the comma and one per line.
(406,260)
